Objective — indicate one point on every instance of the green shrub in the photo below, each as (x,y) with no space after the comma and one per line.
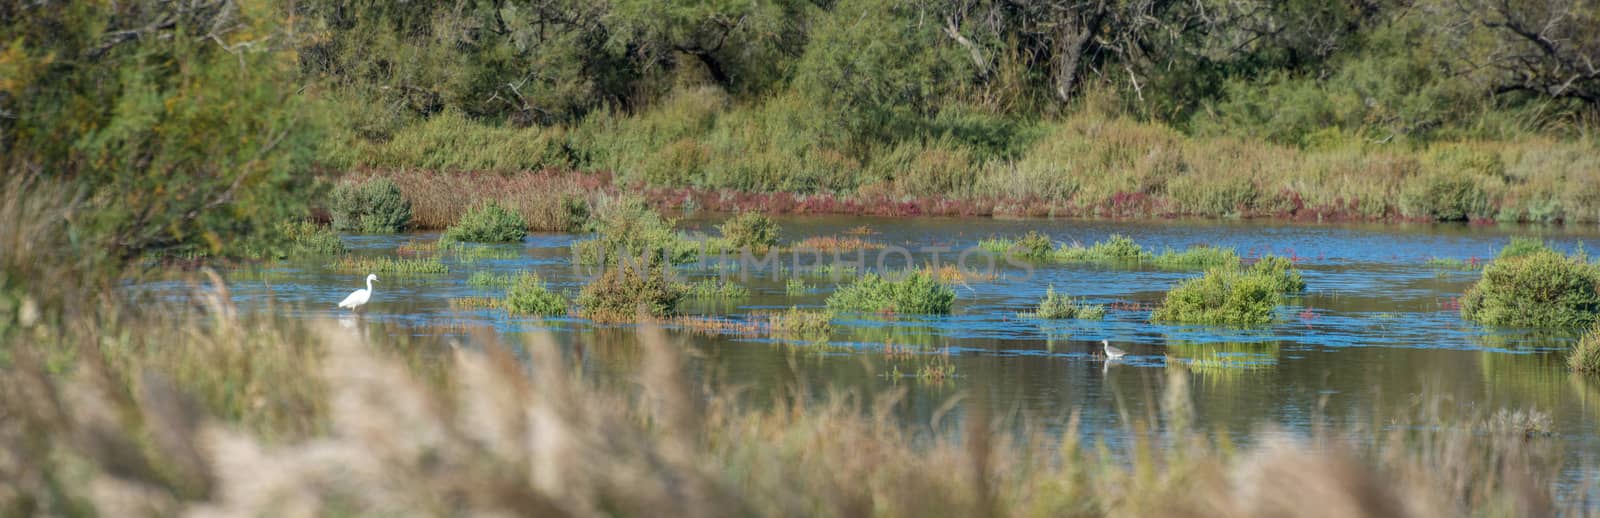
(1117,249)
(1444,196)
(1281,271)
(529,295)
(373,207)
(916,293)
(633,229)
(488,223)
(795,286)
(752,231)
(1060,306)
(1223,296)
(1539,289)
(623,294)
(1521,246)
(1585,355)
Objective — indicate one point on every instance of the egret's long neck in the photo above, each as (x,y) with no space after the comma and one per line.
(369,285)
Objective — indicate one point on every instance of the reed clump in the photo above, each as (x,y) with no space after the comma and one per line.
(1585,355)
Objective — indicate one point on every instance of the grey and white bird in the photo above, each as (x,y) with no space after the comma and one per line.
(359,298)
(1112,352)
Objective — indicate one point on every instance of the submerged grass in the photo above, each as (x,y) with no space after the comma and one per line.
(389,265)
(801,323)
(715,288)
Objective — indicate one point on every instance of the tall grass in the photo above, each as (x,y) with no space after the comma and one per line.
(360,427)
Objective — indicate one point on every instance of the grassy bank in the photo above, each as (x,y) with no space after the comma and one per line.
(1086,164)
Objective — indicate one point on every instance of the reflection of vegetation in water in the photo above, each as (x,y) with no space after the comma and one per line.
(1535,378)
(1224,361)
(897,335)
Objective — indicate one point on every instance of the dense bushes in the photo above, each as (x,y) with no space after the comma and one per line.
(1223,296)
(750,231)
(529,295)
(626,293)
(372,207)
(1537,288)
(1281,272)
(629,229)
(915,293)
(488,223)
(184,128)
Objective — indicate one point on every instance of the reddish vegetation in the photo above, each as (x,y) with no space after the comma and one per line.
(438,199)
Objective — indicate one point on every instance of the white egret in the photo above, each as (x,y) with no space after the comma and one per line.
(1112,352)
(359,298)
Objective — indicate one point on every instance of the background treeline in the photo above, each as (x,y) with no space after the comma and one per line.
(196,122)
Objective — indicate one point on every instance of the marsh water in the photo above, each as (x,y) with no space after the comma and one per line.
(1377,329)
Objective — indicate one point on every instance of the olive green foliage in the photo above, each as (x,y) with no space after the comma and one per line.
(1223,296)
(752,231)
(1522,246)
(529,295)
(184,127)
(914,293)
(489,222)
(1535,289)
(1281,271)
(629,227)
(627,293)
(371,207)
(1060,306)
(1585,355)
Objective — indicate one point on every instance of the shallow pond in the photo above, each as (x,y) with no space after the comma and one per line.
(1376,328)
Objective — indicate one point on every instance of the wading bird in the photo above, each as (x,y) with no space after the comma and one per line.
(359,298)
(1112,352)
